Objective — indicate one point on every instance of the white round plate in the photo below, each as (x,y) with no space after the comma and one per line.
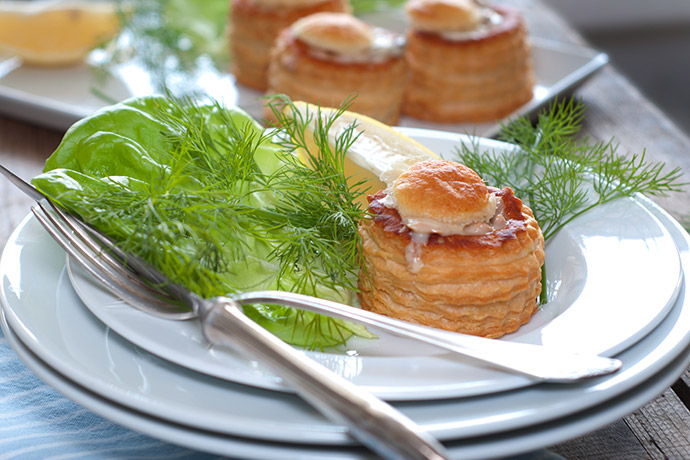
(475,428)
(611,283)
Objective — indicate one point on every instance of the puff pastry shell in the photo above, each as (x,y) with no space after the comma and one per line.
(254,26)
(460,76)
(325,59)
(485,285)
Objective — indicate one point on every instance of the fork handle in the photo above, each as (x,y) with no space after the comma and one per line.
(372,421)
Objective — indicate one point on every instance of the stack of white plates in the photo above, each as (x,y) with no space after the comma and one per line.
(617,277)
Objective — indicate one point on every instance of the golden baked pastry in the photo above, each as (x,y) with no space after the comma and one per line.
(254,25)
(444,250)
(468,62)
(326,58)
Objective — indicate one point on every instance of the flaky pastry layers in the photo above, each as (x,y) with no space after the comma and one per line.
(485,285)
(325,59)
(469,76)
(254,25)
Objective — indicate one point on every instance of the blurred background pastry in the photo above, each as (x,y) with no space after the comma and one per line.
(468,62)
(326,58)
(254,25)
(444,250)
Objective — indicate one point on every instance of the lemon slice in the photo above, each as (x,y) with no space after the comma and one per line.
(378,156)
(55,32)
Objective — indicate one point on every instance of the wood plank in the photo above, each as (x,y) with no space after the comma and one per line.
(614,442)
(663,427)
(682,388)
(23,149)
(660,430)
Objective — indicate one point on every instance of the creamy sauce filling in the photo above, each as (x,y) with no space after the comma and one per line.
(413,251)
(421,230)
(384,45)
(490,19)
(479,226)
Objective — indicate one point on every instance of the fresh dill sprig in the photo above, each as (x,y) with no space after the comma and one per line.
(560,175)
(316,200)
(219,207)
(189,217)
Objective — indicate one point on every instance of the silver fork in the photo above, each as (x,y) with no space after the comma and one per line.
(373,422)
(370,420)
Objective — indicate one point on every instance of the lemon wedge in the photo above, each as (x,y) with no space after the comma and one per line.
(55,32)
(378,155)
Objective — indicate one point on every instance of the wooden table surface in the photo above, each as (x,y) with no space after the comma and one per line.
(615,108)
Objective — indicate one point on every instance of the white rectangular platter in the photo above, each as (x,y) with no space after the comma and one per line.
(57,97)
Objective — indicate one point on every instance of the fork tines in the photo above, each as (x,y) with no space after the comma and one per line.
(113,268)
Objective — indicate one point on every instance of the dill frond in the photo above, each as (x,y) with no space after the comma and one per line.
(316,199)
(219,207)
(561,175)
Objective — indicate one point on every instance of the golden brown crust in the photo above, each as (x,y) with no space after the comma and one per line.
(439,15)
(253,29)
(442,190)
(477,79)
(312,75)
(483,285)
(335,32)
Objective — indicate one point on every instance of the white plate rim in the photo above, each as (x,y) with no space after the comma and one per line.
(55,113)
